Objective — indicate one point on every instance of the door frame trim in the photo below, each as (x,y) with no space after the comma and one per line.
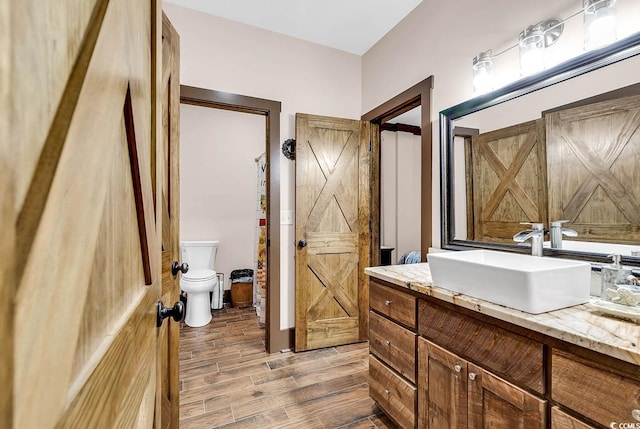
(418,95)
(275,338)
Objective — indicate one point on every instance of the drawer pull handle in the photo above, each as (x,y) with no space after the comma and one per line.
(472,376)
(636,414)
(387,303)
(457,368)
(388,343)
(386,392)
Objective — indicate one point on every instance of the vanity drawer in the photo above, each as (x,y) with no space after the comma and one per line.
(505,353)
(560,420)
(393,394)
(393,344)
(394,304)
(593,389)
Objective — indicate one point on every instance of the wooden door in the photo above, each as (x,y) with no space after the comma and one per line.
(509,181)
(8,215)
(169,333)
(442,388)
(85,109)
(594,179)
(495,404)
(332,231)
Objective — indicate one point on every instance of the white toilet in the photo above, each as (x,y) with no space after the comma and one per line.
(199,280)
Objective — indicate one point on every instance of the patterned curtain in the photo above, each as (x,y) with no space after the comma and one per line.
(260,269)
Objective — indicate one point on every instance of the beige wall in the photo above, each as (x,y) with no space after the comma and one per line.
(219,54)
(218,181)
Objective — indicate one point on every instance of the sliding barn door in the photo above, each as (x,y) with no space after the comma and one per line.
(594,178)
(85,122)
(332,231)
(509,181)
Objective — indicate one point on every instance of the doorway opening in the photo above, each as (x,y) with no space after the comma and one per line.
(419,95)
(275,339)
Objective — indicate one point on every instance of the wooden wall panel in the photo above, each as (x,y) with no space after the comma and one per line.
(43,63)
(8,219)
(509,180)
(594,180)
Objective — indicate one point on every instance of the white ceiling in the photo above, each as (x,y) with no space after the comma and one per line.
(350,25)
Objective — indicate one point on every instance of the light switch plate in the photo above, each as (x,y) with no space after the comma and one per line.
(286,217)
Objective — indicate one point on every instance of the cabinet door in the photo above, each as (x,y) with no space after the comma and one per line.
(495,404)
(442,388)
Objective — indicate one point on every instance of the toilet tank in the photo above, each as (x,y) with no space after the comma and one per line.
(200,255)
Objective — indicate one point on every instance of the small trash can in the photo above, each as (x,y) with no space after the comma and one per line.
(241,288)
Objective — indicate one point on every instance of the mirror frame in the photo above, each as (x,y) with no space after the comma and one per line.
(584,63)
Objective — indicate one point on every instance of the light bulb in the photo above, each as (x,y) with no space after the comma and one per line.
(483,73)
(531,50)
(600,23)
(531,59)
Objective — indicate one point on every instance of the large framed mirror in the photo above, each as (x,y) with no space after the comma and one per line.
(560,145)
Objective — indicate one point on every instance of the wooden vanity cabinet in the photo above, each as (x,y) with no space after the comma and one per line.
(435,365)
(392,347)
(454,393)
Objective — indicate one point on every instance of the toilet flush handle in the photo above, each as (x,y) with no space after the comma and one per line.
(177,267)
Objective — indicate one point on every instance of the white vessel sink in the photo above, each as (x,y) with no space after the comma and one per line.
(528,283)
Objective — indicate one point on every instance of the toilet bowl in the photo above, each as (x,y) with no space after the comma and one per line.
(199,280)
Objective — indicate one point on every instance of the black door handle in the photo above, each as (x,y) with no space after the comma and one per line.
(302,243)
(177,312)
(177,267)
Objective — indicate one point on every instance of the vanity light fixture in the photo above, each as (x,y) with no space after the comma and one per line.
(533,41)
(599,23)
(599,30)
(483,73)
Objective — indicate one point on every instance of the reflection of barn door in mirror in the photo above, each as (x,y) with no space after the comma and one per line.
(332,231)
(509,181)
(594,178)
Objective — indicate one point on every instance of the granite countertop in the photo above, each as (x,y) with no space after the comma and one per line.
(582,325)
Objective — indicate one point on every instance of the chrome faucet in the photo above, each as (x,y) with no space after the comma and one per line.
(536,234)
(557,231)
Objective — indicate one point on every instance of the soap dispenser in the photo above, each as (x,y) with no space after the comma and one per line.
(613,276)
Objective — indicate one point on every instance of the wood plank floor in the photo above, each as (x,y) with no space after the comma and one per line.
(228,381)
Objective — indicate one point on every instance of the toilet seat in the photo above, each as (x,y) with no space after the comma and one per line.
(199,275)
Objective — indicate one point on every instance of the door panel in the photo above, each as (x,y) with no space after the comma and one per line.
(509,180)
(169,333)
(7,217)
(332,216)
(593,154)
(88,241)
